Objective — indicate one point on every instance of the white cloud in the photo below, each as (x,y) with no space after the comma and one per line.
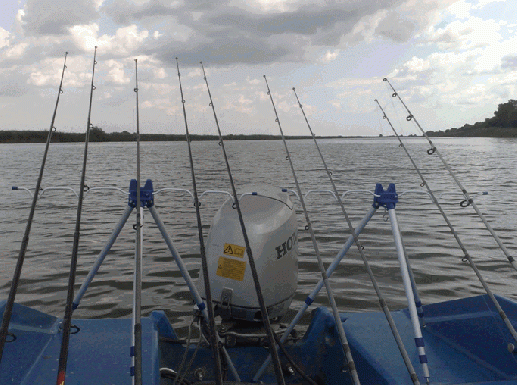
(410,18)
(47,73)
(460,9)
(472,33)
(483,3)
(254,81)
(4,38)
(330,56)
(364,30)
(16,51)
(196,73)
(128,39)
(116,73)
(124,43)
(85,37)
(271,5)
(160,73)
(417,64)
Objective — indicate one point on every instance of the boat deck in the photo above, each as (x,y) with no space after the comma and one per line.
(466,343)
(98,352)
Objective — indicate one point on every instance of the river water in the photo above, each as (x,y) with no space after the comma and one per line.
(482,165)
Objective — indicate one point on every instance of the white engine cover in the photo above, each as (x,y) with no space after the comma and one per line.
(271,227)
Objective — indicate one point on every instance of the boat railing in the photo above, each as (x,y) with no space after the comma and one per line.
(442,197)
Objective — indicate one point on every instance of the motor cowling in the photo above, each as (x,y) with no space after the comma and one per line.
(271,227)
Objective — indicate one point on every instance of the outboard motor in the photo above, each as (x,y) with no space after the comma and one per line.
(272,230)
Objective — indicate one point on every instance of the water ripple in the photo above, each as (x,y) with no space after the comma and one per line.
(485,164)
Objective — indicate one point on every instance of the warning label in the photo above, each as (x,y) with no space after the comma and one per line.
(231,268)
(234,250)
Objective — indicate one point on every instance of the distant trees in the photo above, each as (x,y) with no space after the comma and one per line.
(97,134)
(505,116)
(502,124)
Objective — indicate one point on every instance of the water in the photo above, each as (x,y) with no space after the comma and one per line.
(482,164)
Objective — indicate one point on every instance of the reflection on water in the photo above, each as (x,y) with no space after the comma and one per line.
(482,164)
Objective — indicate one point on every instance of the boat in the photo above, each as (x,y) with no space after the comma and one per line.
(465,341)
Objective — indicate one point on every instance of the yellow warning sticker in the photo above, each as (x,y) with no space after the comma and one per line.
(234,250)
(231,268)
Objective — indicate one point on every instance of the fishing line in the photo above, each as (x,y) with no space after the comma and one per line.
(191,361)
(211,319)
(468,201)
(258,289)
(8,310)
(63,356)
(467,257)
(136,348)
(185,353)
(360,247)
(339,325)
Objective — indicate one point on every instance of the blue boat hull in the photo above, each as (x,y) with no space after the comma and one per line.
(466,343)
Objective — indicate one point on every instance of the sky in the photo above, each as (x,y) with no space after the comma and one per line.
(451,61)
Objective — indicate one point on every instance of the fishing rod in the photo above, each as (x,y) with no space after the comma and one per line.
(258,289)
(211,318)
(468,201)
(4,329)
(349,361)
(136,348)
(369,271)
(63,355)
(467,257)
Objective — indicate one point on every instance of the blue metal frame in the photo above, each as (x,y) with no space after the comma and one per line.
(387,198)
(146,193)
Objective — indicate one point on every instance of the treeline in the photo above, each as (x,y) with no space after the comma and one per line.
(97,134)
(503,124)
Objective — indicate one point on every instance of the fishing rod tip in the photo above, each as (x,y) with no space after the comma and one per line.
(384,79)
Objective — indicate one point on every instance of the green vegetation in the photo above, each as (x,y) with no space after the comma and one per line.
(503,124)
(97,134)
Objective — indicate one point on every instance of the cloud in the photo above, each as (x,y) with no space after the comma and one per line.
(438,51)
(254,32)
(396,26)
(472,33)
(116,72)
(483,3)
(13,82)
(410,18)
(460,9)
(330,56)
(4,38)
(509,61)
(222,32)
(417,64)
(123,43)
(54,17)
